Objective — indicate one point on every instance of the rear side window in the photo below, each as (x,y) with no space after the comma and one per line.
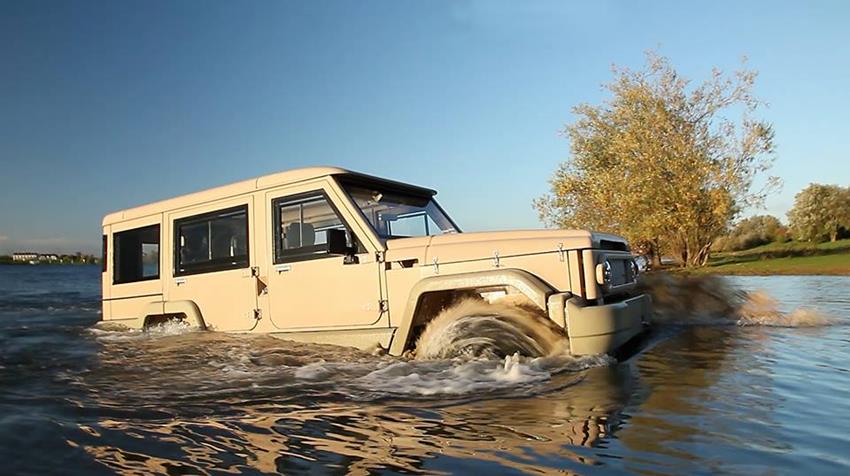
(103,255)
(136,255)
(210,242)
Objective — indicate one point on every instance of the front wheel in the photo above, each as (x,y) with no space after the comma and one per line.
(476,328)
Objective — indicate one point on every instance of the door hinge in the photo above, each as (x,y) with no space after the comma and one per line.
(383,305)
(380,257)
(258,314)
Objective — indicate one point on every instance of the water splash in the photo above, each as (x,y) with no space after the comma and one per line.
(112,331)
(760,309)
(475,328)
(453,377)
(711,300)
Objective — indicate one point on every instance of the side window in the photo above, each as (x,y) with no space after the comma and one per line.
(302,225)
(136,255)
(210,242)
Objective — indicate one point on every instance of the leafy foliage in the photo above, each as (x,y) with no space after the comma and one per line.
(751,232)
(660,162)
(820,213)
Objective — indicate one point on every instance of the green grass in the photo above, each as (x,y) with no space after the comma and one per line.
(784,258)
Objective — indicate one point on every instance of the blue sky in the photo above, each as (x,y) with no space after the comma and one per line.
(107,105)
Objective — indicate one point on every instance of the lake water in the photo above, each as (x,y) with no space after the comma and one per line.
(698,400)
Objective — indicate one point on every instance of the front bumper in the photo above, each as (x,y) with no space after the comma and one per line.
(604,328)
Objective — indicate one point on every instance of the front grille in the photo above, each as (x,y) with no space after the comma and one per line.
(619,276)
(621,272)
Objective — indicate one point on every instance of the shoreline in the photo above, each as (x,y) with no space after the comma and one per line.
(781,259)
(747,272)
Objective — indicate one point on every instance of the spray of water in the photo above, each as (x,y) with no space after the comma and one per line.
(711,300)
(113,331)
(475,328)
(760,309)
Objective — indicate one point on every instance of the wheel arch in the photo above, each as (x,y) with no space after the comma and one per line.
(535,289)
(187,309)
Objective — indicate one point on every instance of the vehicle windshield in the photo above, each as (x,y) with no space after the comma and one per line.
(400,215)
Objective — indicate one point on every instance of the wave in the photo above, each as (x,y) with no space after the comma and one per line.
(115,332)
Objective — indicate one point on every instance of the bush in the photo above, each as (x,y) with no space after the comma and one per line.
(751,232)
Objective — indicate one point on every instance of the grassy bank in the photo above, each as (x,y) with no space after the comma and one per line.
(784,258)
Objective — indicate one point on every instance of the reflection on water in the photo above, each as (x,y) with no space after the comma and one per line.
(356,437)
(698,399)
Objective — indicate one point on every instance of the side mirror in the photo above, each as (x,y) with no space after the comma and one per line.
(336,243)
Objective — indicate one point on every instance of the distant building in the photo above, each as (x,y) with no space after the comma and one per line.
(29,256)
(35,258)
(24,256)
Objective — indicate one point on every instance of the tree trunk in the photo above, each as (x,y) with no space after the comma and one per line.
(655,253)
(684,256)
(703,255)
(656,260)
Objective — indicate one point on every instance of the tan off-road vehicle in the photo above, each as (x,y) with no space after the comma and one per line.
(333,256)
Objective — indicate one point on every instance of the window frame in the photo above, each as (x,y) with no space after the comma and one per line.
(215,265)
(115,255)
(278,202)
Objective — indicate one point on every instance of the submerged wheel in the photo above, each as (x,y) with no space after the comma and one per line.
(475,328)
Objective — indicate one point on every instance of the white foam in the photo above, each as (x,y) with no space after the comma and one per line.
(447,378)
(112,332)
(462,377)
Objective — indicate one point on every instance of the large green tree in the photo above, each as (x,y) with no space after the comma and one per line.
(664,162)
(820,212)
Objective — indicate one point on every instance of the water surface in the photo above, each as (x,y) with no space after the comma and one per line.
(699,400)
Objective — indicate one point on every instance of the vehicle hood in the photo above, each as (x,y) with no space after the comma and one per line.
(484,245)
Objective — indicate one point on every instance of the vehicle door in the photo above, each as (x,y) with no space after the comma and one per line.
(309,288)
(212,254)
(132,284)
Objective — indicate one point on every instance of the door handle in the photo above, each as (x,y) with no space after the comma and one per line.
(179,281)
(282,268)
(252,272)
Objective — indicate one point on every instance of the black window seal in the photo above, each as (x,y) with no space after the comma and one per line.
(311,252)
(218,264)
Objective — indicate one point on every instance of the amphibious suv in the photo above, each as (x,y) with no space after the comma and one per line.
(333,256)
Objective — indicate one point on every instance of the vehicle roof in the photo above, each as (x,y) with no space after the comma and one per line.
(247,186)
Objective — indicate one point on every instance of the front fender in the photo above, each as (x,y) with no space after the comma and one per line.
(531,286)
